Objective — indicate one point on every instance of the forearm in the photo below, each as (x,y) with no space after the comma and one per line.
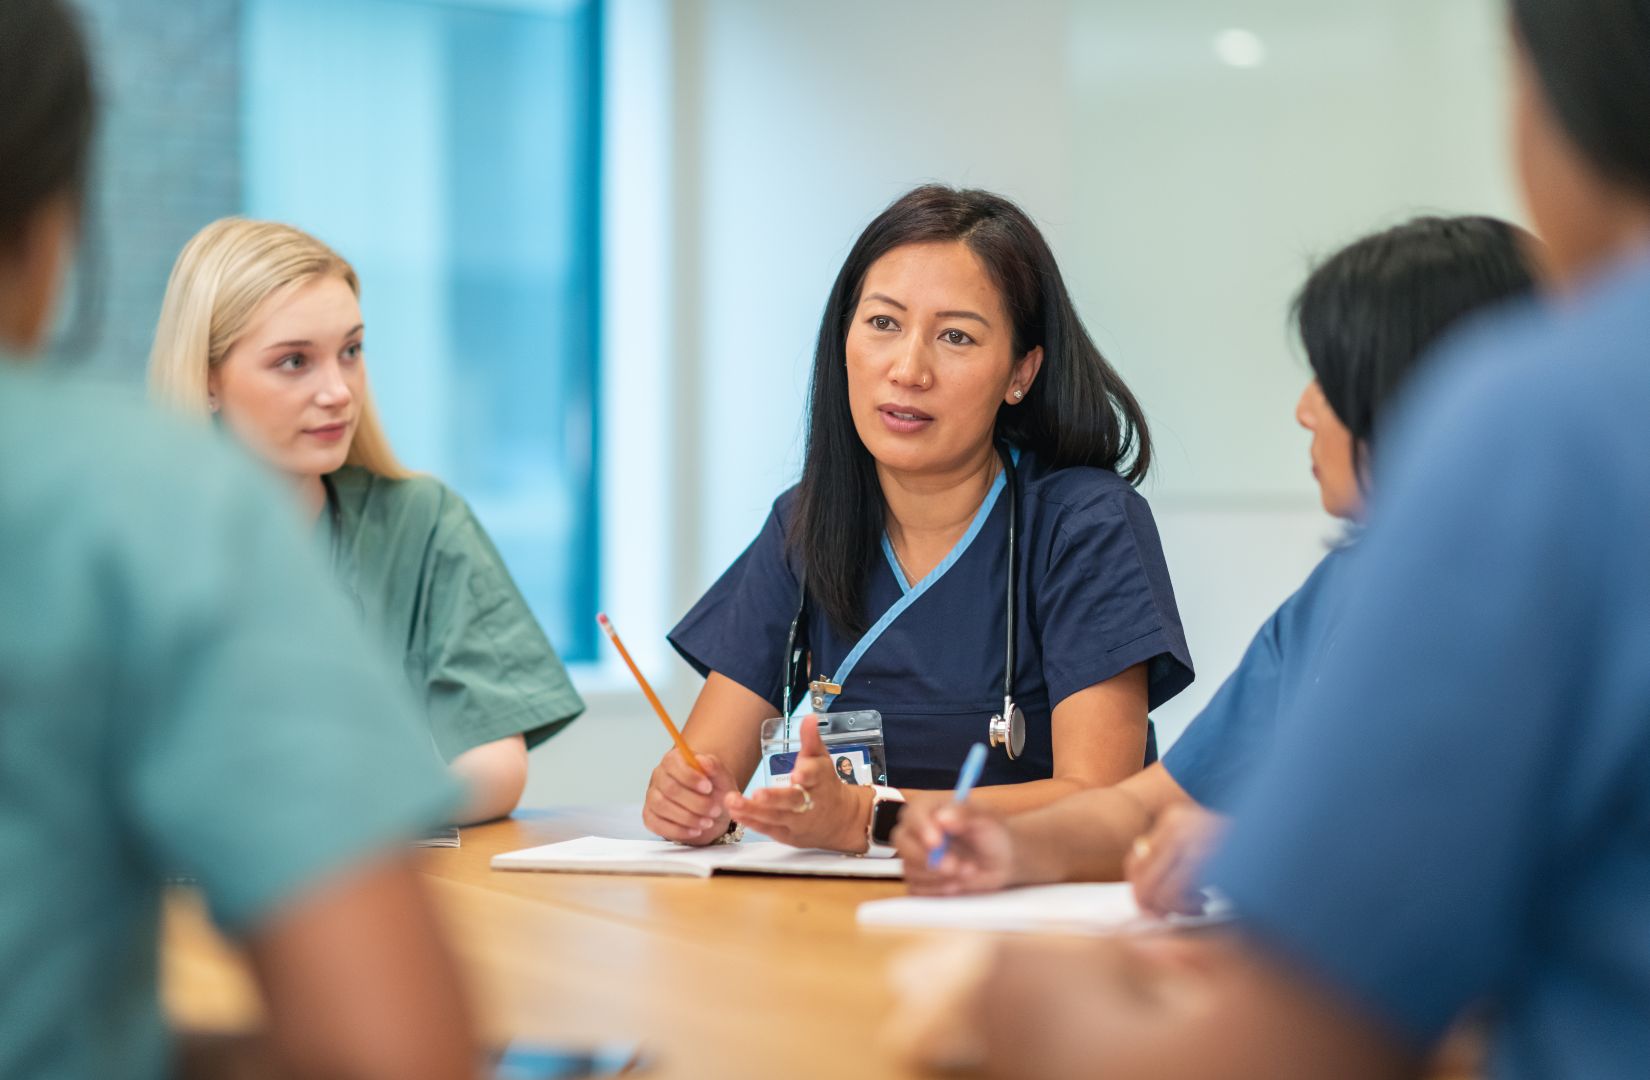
(1066,832)
(496,774)
(1164,1008)
(357,982)
(1007,799)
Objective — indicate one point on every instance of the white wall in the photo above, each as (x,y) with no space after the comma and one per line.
(1184,196)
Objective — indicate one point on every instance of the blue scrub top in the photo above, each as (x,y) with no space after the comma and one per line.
(1227,740)
(1474,825)
(1095,600)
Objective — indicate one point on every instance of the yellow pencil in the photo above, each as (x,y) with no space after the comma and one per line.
(653,699)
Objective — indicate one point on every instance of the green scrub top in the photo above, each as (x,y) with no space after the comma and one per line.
(182,690)
(426,577)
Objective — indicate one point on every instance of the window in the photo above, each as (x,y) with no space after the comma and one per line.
(450,150)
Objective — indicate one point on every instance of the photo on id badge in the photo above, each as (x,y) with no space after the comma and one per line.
(852,765)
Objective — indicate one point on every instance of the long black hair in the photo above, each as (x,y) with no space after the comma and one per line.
(1077,411)
(1592,58)
(46,111)
(1368,312)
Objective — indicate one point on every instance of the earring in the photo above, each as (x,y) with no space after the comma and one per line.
(1018,394)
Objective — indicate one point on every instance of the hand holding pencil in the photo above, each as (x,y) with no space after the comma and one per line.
(686,793)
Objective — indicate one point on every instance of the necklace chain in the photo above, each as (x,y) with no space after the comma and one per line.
(909,580)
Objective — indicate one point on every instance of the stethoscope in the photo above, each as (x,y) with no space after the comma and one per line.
(1007,728)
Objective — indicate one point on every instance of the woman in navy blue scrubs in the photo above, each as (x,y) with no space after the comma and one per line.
(953,384)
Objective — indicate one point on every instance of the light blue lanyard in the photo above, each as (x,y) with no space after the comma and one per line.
(910,594)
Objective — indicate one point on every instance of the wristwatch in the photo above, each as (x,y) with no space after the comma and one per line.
(887,804)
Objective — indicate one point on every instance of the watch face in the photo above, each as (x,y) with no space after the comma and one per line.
(884,817)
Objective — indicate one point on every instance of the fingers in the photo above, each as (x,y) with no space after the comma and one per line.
(695,794)
(813,746)
(1153,882)
(721,781)
(770,811)
(1163,867)
(775,801)
(673,824)
(977,855)
(681,803)
(813,771)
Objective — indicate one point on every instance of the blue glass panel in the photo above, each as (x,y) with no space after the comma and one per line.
(449,148)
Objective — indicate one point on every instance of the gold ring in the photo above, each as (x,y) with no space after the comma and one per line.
(1142,848)
(807,802)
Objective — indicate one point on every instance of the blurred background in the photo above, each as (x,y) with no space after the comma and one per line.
(595,238)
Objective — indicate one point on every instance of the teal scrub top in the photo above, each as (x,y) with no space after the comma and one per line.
(182,690)
(424,574)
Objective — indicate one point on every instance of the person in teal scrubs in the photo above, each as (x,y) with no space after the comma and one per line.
(262,327)
(1366,317)
(182,691)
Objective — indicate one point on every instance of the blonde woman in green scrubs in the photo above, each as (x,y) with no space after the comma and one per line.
(262,327)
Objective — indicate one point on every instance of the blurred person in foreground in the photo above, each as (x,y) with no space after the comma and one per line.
(181,691)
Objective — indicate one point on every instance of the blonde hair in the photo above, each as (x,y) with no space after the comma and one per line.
(221,277)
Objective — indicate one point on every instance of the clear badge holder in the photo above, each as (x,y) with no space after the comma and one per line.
(852,739)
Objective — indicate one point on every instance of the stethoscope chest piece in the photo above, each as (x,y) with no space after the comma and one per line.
(1008,729)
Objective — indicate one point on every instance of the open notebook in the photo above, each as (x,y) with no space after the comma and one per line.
(599,855)
(1105,908)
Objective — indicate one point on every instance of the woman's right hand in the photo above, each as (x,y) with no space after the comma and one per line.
(685,805)
(978,858)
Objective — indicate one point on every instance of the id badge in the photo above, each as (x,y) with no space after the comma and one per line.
(853,740)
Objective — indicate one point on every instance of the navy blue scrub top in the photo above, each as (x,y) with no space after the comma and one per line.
(1095,600)
(1230,737)
(1473,828)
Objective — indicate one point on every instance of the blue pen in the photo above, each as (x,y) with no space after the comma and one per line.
(973,765)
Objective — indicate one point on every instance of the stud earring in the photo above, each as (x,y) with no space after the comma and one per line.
(1018,394)
(212,403)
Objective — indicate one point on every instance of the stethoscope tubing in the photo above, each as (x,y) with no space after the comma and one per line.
(793,655)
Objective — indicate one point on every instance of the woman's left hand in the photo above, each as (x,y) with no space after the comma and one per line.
(1165,863)
(815,810)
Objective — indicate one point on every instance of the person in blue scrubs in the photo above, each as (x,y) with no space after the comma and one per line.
(1474,829)
(1365,316)
(953,383)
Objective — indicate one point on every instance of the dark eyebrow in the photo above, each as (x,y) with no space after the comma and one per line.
(963,315)
(886,300)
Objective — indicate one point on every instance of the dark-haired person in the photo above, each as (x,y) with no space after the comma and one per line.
(1474,827)
(182,690)
(953,384)
(1365,317)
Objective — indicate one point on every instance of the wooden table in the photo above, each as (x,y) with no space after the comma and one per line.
(727,977)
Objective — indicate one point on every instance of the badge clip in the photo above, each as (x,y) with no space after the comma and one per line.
(822,688)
